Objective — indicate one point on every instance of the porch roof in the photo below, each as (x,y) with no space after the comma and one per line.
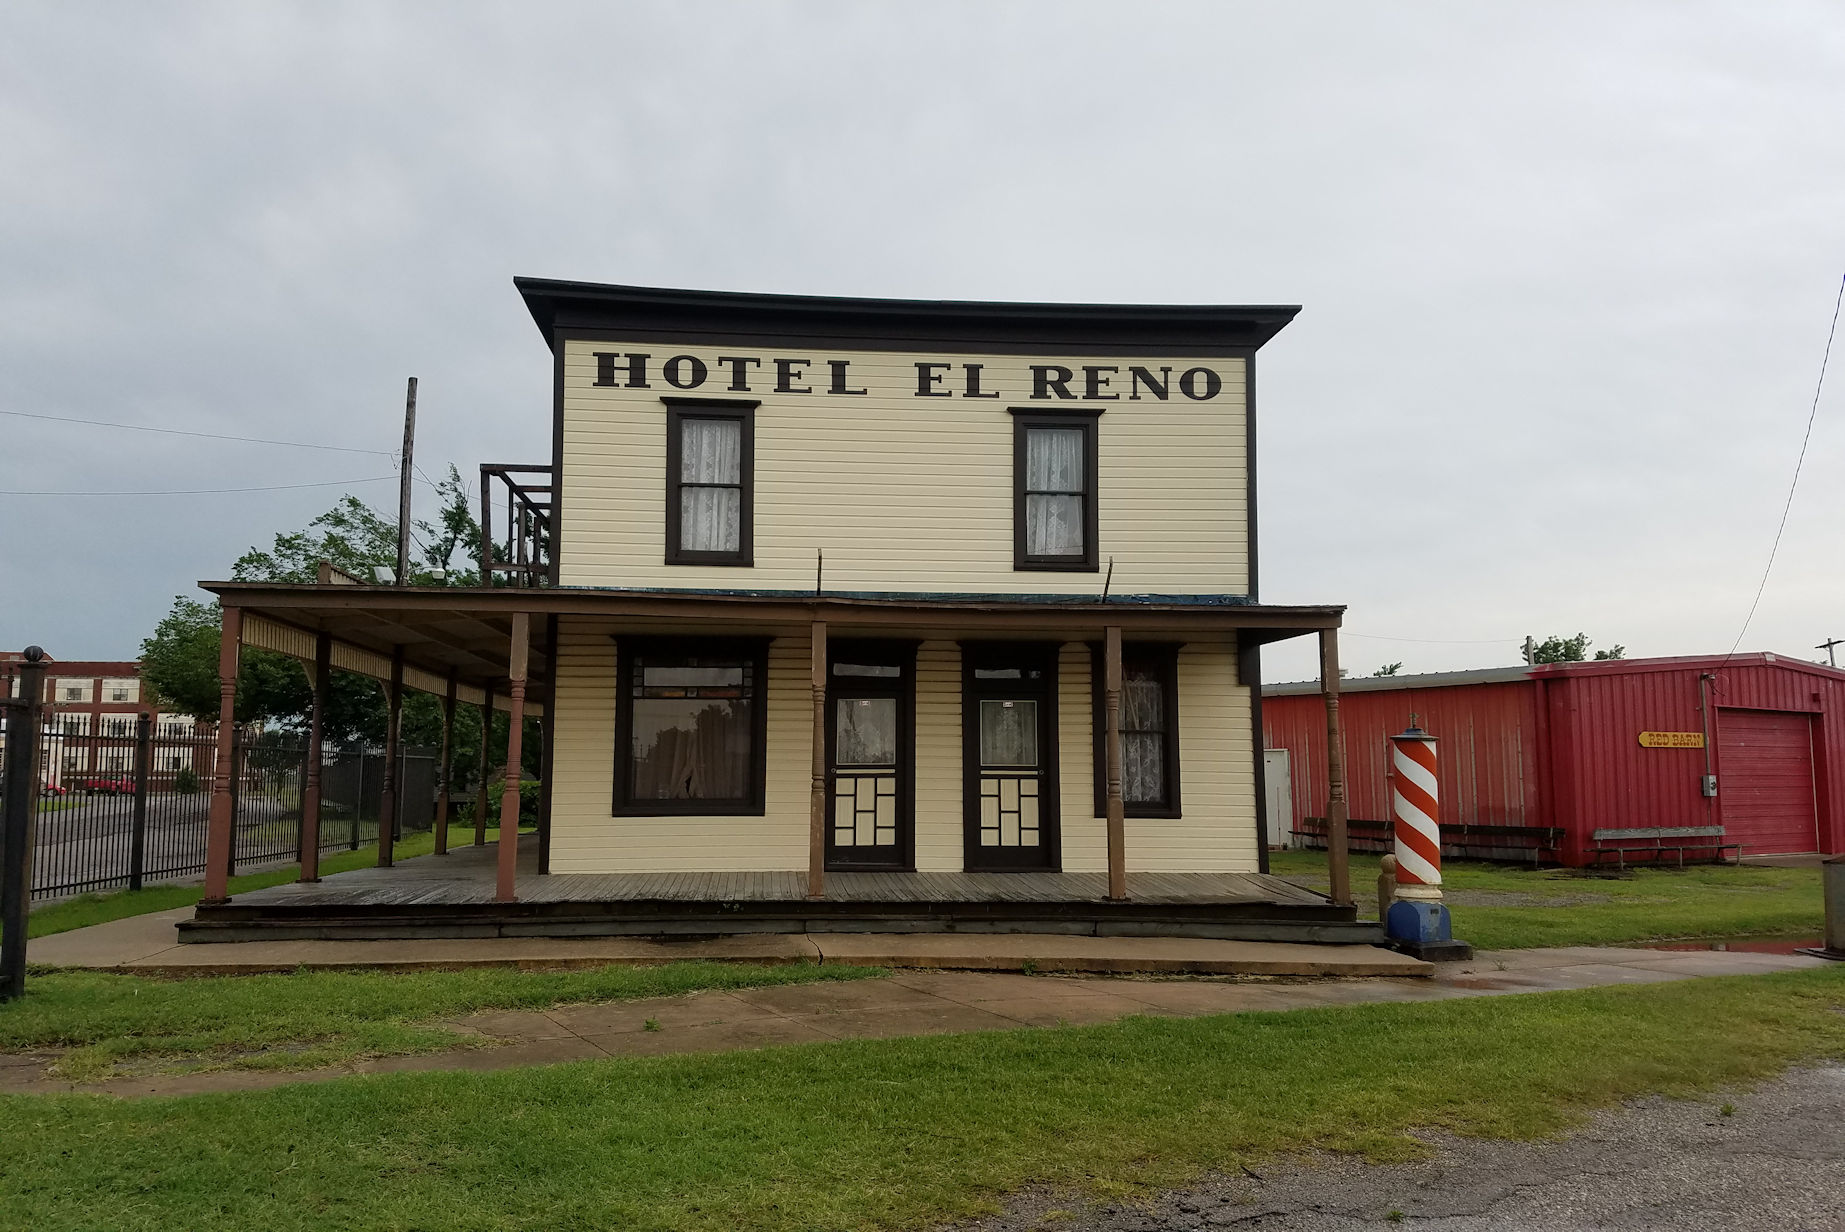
(467,630)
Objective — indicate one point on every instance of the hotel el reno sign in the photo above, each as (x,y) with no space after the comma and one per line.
(933,378)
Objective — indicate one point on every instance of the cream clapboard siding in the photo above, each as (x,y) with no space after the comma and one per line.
(905,493)
(585,839)
(1217,832)
(938,758)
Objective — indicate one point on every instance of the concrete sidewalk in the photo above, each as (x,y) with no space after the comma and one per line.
(148,945)
(932,1002)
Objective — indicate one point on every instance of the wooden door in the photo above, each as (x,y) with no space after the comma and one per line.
(870,755)
(1009,757)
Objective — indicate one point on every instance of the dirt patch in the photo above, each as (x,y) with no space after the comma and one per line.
(1771,1159)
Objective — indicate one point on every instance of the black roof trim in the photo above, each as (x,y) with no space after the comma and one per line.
(682,315)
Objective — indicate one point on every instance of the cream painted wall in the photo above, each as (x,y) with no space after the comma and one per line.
(1216,833)
(906,493)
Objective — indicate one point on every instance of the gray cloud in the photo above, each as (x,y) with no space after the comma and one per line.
(1566,268)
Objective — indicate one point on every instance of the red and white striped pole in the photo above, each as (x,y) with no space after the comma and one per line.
(1418,825)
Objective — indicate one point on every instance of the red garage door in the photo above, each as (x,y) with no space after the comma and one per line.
(1765,781)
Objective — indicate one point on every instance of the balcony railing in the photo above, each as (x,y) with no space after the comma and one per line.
(523,556)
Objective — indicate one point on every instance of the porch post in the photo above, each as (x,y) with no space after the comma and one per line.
(1117,826)
(310,789)
(393,752)
(509,790)
(816,798)
(223,808)
(1337,858)
(486,736)
(448,745)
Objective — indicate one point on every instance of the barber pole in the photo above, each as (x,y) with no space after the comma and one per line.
(1418,828)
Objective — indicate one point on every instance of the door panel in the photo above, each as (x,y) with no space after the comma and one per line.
(870,753)
(1765,781)
(1009,708)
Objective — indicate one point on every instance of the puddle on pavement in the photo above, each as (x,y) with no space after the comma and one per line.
(1743,945)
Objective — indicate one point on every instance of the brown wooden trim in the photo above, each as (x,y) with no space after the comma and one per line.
(1024,655)
(627,649)
(900,654)
(486,743)
(547,765)
(222,819)
(743,411)
(1249,675)
(817,792)
(1088,421)
(321,679)
(557,467)
(1115,807)
(1338,857)
(445,767)
(393,759)
(507,862)
(1163,657)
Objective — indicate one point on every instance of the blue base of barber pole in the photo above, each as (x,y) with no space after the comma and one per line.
(1425,931)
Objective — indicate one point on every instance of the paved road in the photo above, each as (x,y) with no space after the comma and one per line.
(1776,1164)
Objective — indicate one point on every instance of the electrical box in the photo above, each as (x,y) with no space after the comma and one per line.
(1709,782)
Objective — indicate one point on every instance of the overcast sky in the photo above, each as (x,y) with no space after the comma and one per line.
(1567,269)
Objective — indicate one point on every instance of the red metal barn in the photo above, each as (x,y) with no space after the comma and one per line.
(1587,762)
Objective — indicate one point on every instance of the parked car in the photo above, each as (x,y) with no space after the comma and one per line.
(107,787)
(49,789)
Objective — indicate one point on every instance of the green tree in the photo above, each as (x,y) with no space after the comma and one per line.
(1557,649)
(1389,669)
(180,659)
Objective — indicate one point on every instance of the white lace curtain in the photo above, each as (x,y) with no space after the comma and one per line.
(1054,487)
(711,491)
(1143,738)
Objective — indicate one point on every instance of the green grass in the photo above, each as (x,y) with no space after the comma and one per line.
(901,1133)
(1700,901)
(316,1018)
(87,909)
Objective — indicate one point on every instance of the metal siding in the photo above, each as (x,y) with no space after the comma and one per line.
(1562,748)
(1488,770)
(1767,781)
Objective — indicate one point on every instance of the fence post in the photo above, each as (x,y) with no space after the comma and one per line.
(19,805)
(144,763)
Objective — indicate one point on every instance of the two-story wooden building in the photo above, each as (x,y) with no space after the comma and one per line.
(830,603)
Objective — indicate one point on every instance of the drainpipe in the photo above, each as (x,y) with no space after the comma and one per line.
(1708,786)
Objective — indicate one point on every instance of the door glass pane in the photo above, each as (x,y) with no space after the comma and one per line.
(881,670)
(1008,732)
(865,731)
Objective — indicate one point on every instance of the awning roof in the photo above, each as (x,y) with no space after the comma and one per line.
(468,631)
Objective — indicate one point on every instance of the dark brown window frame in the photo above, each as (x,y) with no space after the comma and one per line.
(1024,419)
(1043,656)
(885,652)
(1164,658)
(628,650)
(742,410)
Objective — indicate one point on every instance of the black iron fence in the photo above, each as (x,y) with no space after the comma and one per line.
(130,804)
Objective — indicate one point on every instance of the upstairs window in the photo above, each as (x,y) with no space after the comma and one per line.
(1054,491)
(710,482)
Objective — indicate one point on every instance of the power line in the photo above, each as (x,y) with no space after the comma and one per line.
(1812,414)
(215,436)
(275,487)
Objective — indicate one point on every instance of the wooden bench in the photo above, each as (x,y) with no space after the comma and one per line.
(1461,842)
(1655,841)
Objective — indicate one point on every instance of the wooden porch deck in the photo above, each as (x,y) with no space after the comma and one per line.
(452,896)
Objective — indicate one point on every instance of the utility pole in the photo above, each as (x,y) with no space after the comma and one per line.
(403,488)
(1827,645)
(1530,651)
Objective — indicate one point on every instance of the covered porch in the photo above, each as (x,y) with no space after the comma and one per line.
(450,641)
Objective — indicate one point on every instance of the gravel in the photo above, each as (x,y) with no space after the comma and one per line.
(1775,1162)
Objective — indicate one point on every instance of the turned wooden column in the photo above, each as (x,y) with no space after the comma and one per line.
(480,795)
(310,788)
(505,886)
(446,766)
(393,755)
(223,807)
(816,797)
(1338,859)
(1117,811)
